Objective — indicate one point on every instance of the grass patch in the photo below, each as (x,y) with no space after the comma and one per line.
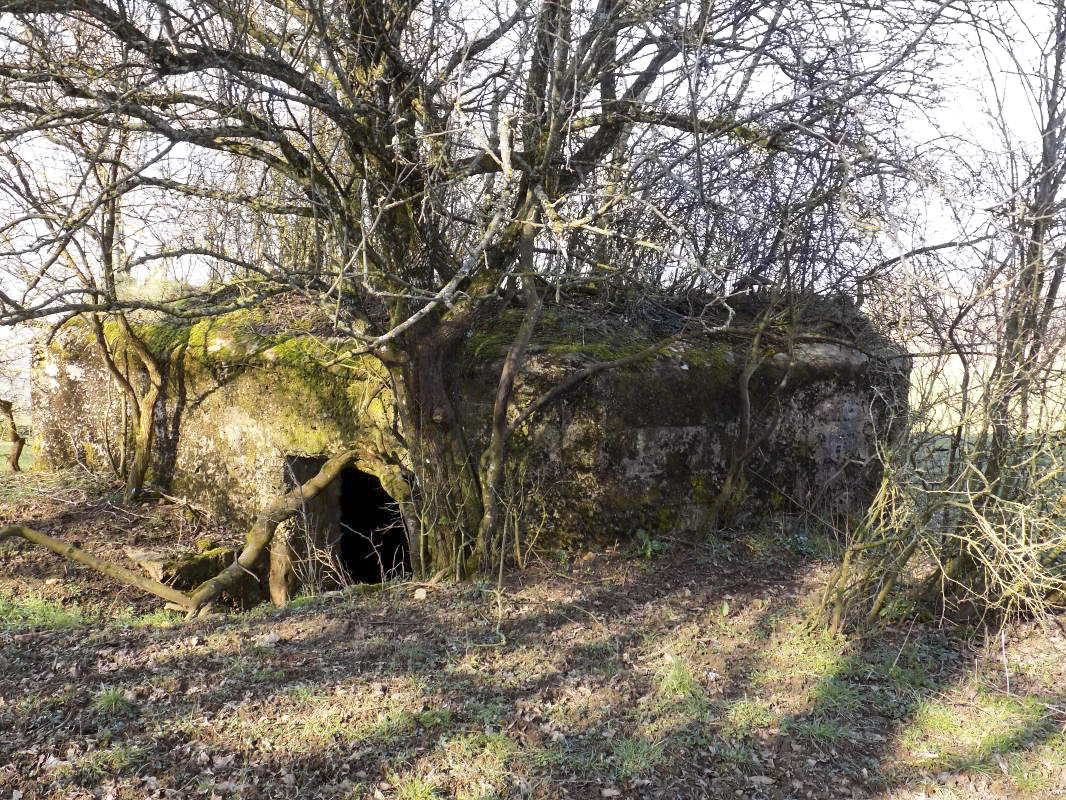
(479,764)
(111,701)
(822,731)
(813,654)
(943,735)
(394,726)
(676,681)
(32,611)
(109,761)
(635,756)
(747,716)
(414,787)
(733,753)
(1041,767)
(160,618)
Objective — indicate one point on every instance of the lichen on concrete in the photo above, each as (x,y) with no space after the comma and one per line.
(649,444)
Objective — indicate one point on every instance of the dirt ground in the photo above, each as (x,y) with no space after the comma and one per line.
(653,672)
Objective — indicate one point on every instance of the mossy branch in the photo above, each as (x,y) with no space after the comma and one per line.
(256,542)
(76,554)
(262,532)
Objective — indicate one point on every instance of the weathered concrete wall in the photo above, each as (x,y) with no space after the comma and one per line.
(647,445)
(77,412)
(238,402)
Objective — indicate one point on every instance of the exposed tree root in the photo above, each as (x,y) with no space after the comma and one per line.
(256,543)
(262,532)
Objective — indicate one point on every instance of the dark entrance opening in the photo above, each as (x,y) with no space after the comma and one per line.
(373,542)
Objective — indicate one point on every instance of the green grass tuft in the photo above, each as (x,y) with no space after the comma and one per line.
(676,680)
(111,700)
(747,716)
(635,756)
(415,787)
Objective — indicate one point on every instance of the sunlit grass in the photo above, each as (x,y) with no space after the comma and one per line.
(479,764)
(800,670)
(802,651)
(402,723)
(943,734)
(74,484)
(414,787)
(159,618)
(676,680)
(109,761)
(1041,766)
(303,719)
(636,755)
(31,610)
(747,716)
(111,701)
(823,731)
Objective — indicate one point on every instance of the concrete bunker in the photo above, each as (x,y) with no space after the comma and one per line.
(253,408)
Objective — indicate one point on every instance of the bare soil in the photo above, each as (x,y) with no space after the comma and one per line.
(650,672)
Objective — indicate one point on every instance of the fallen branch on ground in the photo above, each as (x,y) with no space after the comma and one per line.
(73,553)
(255,543)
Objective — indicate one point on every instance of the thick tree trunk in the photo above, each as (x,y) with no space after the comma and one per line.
(447,500)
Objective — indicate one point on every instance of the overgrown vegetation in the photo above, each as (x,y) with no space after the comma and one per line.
(411,172)
(414,172)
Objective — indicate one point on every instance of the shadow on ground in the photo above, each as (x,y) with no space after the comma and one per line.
(691,675)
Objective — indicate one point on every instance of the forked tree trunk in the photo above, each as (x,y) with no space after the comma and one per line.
(142,401)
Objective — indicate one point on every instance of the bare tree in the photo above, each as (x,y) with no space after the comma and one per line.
(431,162)
(82,231)
(972,502)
